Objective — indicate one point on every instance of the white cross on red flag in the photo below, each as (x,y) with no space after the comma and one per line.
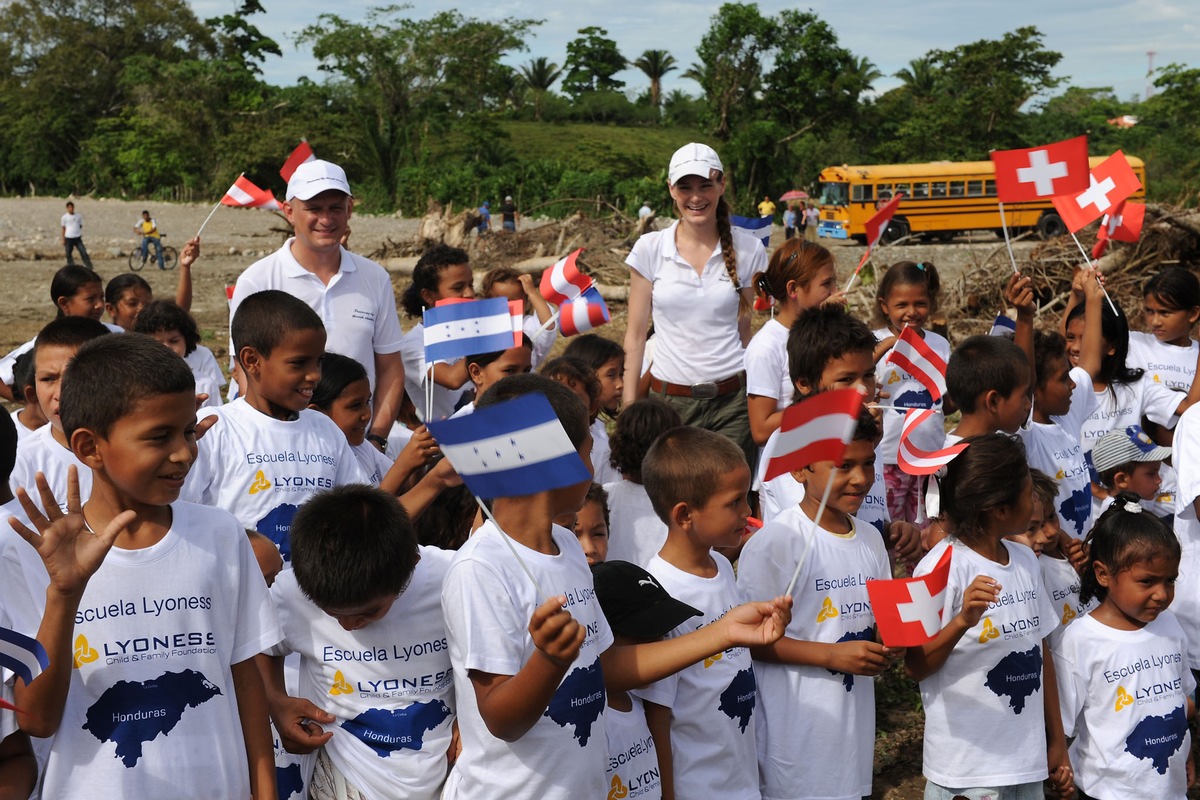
(1124,224)
(1110,183)
(908,611)
(1038,173)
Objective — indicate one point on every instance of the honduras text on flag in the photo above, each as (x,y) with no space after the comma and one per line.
(22,654)
(456,330)
(511,449)
(758,227)
(583,313)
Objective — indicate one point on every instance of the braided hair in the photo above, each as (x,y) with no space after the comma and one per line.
(725,232)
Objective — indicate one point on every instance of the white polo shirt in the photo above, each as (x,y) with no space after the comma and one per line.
(358,305)
(695,315)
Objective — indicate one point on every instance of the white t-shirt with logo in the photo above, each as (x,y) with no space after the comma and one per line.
(389,683)
(1124,404)
(635,532)
(632,770)
(151,707)
(1187,587)
(767,370)
(1124,698)
(907,392)
(695,315)
(373,463)
(41,452)
(1056,449)
(412,351)
(263,469)
(1168,364)
(72,225)
(831,606)
(487,601)
(984,720)
(1062,584)
(712,703)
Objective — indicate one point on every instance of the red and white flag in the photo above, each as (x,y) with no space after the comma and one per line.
(301,154)
(516,310)
(1110,183)
(817,428)
(1124,224)
(908,611)
(915,461)
(583,313)
(564,281)
(877,224)
(244,194)
(913,355)
(1037,173)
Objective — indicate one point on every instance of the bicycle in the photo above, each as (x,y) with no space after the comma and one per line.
(170,256)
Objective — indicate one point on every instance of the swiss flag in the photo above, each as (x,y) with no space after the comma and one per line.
(817,428)
(918,359)
(245,194)
(1037,173)
(914,461)
(908,611)
(302,153)
(1110,183)
(1124,224)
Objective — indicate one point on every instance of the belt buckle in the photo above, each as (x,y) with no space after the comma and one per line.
(704,391)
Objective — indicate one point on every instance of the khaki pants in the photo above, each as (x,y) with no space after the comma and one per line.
(726,415)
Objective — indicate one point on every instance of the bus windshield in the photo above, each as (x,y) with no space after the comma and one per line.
(835,194)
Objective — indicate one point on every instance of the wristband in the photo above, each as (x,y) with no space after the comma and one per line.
(379,441)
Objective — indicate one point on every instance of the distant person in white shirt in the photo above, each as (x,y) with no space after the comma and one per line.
(72,235)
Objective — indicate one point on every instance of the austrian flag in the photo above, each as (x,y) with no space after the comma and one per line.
(917,358)
(817,428)
(1037,173)
(583,313)
(564,281)
(914,461)
(300,155)
(244,194)
(908,611)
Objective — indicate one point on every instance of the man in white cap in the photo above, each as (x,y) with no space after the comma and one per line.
(352,294)
(509,217)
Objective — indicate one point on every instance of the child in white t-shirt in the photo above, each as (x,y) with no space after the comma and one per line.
(156,608)
(175,328)
(607,358)
(800,275)
(268,452)
(1171,308)
(527,675)
(506,282)
(988,688)
(361,606)
(591,525)
(487,368)
(1187,528)
(28,417)
(1124,683)
(830,652)
(636,532)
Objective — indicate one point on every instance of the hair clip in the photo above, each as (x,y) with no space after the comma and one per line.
(1132,507)
(921,266)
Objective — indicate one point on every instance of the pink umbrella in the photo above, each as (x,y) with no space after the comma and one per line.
(794,194)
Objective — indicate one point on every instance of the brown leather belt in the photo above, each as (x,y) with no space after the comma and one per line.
(700,391)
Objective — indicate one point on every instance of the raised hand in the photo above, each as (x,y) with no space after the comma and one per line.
(760,623)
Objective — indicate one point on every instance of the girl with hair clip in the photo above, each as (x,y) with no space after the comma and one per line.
(1171,306)
(1124,683)
(801,275)
(992,725)
(695,277)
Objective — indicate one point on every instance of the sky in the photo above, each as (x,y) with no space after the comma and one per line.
(1103,42)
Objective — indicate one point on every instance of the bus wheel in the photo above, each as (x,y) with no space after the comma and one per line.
(945,236)
(897,229)
(860,238)
(1050,226)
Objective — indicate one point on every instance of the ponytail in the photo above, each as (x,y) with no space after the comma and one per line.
(725,232)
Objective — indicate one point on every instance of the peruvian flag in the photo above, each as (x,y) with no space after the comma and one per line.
(564,281)
(1110,183)
(908,611)
(244,194)
(301,154)
(915,461)
(1124,224)
(817,428)
(1036,173)
(917,358)
(583,313)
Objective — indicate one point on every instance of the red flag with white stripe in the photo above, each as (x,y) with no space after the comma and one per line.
(583,313)
(300,155)
(516,310)
(564,281)
(818,428)
(1109,184)
(908,611)
(915,461)
(244,194)
(913,355)
(1038,173)
(877,224)
(1124,224)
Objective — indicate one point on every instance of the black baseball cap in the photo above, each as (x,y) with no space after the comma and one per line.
(635,603)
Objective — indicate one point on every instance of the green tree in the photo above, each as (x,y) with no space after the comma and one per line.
(655,64)
(919,78)
(240,41)
(592,61)
(731,56)
(540,75)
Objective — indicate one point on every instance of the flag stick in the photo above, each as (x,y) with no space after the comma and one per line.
(548,324)
(1087,262)
(428,393)
(210,215)
(1007,241)
(857,270)
(525,567)
(815,533)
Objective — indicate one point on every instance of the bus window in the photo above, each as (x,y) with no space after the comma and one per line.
(902,188)
(862,193)
(991,189)
(937,190)
(974,188)
(957,188)
(834,194)
(920,191)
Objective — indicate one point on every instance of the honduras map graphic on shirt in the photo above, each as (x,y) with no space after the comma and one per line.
(1157,738)
(865,635)
(386,730)
(920,398)
(737,701)
(288,781)
(578,701)
(276,526)
(1017,677)
(1076,508)
(132,713)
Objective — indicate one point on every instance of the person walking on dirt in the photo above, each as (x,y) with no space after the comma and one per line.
(485,219)
(509,217)
(147,228)
(72,235)
(811,219)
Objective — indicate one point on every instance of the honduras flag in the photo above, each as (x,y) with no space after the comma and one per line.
(1003,326)
(455,330)
(511,449)
(758,227)
(24,656)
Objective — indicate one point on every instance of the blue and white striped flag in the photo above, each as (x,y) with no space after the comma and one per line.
(455,330)
(1003,326)
(24,656)
(511,449)
(758,227)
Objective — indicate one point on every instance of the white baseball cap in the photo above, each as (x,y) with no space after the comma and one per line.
(694,159)
(313,177)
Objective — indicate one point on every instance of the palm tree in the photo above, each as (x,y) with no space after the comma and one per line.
(919,78)
(540,74)
(656,64)
(865,72)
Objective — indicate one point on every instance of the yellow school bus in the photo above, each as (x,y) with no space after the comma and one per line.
(941,200)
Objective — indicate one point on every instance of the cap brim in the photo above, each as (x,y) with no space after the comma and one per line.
(655,621)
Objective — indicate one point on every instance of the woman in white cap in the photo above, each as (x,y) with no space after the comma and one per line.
(695,278)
